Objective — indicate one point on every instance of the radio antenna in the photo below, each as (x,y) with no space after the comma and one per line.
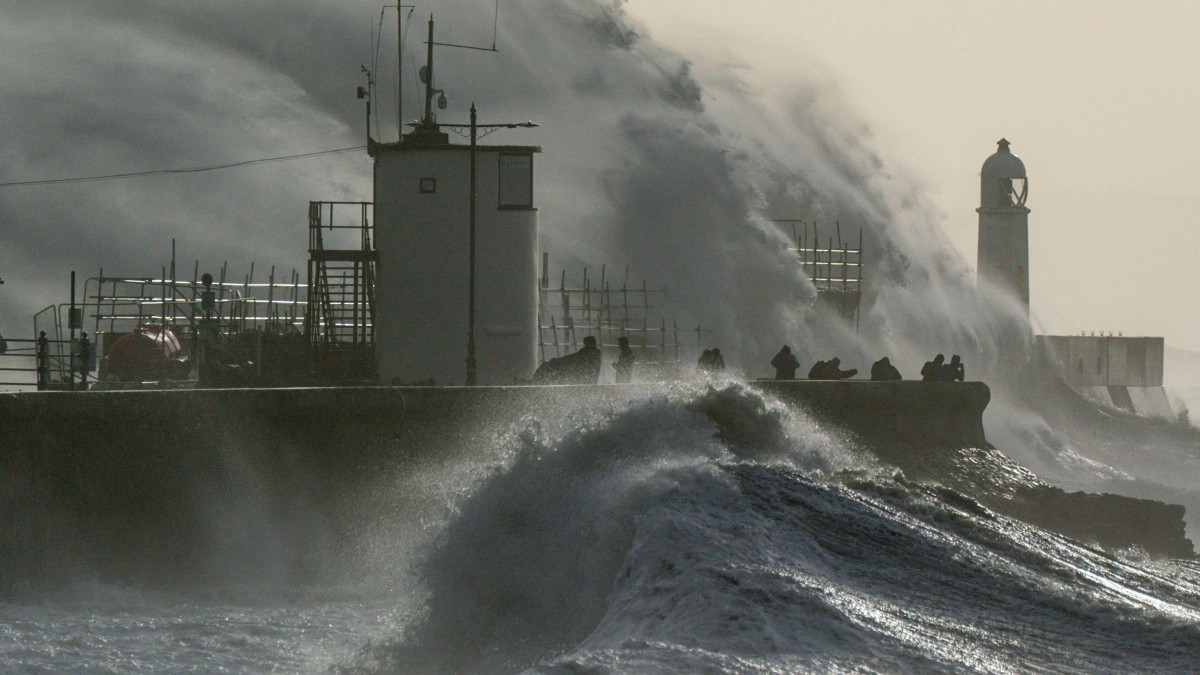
(495,27)
(495,24)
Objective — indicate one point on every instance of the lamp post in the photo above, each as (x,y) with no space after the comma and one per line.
(473,129)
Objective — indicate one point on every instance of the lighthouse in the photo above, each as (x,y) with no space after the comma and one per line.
(1004,225)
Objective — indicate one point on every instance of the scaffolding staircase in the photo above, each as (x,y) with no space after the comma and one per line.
(340,316)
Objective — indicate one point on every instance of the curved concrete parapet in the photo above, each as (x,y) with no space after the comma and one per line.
(934,414)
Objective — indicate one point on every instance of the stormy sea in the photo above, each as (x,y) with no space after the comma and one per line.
(699,527)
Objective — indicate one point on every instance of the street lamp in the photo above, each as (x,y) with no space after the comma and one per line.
(475,127)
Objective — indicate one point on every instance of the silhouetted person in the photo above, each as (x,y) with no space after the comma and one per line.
(833,370)
(624,364)
(932,370)
(581,367)
(830,370)
(703,361)
(819,371)
(883,371)
(785,364)
(589,361)
(954,371)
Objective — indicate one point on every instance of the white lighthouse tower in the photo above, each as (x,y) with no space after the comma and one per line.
(457,234)
(1004,225)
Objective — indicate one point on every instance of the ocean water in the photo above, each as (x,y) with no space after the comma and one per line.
(710,530)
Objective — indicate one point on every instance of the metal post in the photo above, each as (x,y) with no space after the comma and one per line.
(400,72)
(71,334)
(43,362)
(471,364)
(429,76)
(85,352)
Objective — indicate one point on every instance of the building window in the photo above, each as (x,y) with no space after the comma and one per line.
(428,186)
(516,181)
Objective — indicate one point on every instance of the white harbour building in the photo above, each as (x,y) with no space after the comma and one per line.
(423,232)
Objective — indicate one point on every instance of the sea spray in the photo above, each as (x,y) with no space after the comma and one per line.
(715,529)
(525,568)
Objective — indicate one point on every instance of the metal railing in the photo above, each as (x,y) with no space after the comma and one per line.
(47,364)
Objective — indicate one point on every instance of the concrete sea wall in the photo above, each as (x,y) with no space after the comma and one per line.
(151,485)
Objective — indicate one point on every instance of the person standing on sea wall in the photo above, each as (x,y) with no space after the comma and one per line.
(624,364)
(932,370)
(589,361)
(883,371)
(785,364)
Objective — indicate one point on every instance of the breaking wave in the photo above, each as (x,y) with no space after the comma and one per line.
(714,530)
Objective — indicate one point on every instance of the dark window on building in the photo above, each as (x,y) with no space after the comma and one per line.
(516,181)
(428,185)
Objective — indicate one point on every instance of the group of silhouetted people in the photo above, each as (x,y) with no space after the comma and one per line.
(583,366)
(711,361)
(786,365)
(939,371)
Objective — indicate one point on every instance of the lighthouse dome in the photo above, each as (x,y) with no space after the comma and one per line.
(1003,164)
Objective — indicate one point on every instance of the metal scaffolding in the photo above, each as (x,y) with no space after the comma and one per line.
(340,316)
(835,269)
(569,313)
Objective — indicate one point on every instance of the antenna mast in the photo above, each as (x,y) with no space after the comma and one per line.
(429,76)
(401,31)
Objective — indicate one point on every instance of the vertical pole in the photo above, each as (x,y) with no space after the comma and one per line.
(829,266)
(845,268)
(400,71)
(172,281)
(429,76)
(71,334)
(471,372)
(816,266)
(858,298)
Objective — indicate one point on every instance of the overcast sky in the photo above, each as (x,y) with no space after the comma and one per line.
(1100,99)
